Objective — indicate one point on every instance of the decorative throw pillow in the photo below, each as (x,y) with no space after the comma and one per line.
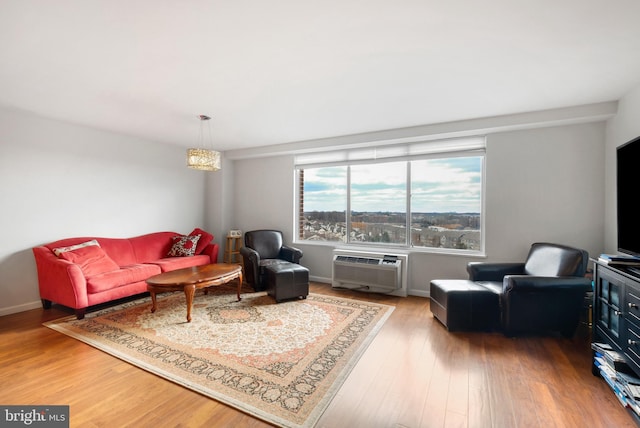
(92,260)
(60,250)
(205,239)
(183,246)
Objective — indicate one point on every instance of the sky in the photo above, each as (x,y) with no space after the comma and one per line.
(437,185)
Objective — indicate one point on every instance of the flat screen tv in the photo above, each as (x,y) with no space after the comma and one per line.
(628,197)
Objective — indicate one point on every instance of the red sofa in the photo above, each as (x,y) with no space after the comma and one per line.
(90,273)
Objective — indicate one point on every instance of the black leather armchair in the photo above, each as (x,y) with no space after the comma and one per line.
(263,248)
(545,293)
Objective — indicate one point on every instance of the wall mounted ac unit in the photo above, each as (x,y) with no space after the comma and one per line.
(369,271)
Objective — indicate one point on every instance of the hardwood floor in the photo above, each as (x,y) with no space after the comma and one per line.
(414,374)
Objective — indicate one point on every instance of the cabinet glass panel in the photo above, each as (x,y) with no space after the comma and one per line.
(603,310)
(614,289)
(604,313)
(604,288)
(614,324)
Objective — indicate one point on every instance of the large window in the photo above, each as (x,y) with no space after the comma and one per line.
(428,200)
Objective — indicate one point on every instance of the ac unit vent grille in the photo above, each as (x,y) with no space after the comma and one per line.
(363,260)
(380,274)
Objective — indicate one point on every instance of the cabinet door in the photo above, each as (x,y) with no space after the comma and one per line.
(632,307)
(608,302)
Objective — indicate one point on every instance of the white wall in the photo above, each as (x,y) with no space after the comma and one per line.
(623,127)
(60,180)
(264,194)
(218,200)
(543,184)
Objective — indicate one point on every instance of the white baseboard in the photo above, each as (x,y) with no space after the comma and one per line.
(20,308)
(418,293)
(410,292)
(319,279)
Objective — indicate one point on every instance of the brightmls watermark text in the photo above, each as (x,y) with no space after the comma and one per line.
(34,416)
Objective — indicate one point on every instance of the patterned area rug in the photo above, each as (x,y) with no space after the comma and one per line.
(282,363)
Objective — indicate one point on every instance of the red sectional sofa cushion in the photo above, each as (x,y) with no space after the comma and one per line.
(120,250)
(205,239)
(183,246)
(151,247)
(123,276)
(173,263)
(60,250)
(91,259)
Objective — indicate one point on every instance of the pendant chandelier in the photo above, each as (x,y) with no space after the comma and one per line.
(203,158)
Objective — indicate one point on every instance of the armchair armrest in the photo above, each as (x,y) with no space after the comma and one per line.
(481,271)
(250,254)
(251,264)
(513,283)
(290,254)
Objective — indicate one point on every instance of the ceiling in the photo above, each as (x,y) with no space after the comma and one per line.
(294,70)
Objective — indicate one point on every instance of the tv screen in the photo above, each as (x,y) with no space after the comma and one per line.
(628,196)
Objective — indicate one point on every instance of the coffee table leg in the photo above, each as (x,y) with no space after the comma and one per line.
(239,285)
(153,301)
(189,292)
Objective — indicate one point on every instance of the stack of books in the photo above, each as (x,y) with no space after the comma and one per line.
(618,260)
(621,379)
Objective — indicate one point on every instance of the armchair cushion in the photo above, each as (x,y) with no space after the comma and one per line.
(555,260)
(267,243)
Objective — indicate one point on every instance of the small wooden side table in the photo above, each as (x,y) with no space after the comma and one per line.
(232,250)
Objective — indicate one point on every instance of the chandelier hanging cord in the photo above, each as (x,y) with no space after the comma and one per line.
(201,142)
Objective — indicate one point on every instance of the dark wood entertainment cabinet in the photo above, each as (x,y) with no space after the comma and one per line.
(616,313)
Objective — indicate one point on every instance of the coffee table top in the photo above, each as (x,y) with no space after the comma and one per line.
(194,275)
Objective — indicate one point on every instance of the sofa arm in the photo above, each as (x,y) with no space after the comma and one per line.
(59,280)
(212,250)
(290,254)
(527,283)
(481,271)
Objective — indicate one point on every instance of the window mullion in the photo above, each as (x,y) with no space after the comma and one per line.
(348,213)
(408,209)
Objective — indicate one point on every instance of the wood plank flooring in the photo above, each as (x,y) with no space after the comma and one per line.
(414,374)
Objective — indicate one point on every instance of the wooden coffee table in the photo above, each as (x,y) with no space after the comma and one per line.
(188,279)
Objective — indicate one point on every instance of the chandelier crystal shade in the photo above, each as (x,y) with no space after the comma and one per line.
(202,158)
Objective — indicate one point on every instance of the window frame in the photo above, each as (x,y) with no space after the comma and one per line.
(443,151)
